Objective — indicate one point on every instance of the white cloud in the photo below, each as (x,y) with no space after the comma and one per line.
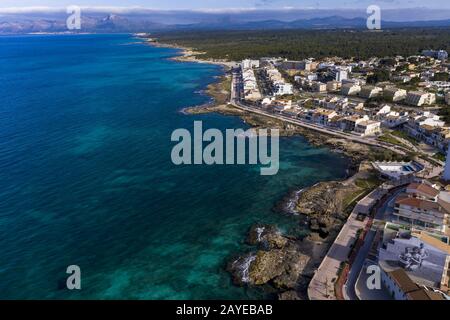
(19,10)
(130,9)
(36,9)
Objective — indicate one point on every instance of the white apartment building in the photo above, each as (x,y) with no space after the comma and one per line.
(368,128)
(394,119)
(249,64)
(426,118)
(370,92)
(333,85)
(319,86)
(340,73)
(280,86)
(384,110)
(251,90)
(421,213)
(395,94)
(335,103)
(424,207)
(350,89)
(283,88)
(321,116)
(349,123)
(398,283)
(357,81)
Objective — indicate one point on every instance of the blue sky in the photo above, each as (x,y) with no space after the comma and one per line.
(229,4)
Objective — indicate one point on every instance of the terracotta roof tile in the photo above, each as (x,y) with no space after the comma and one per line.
(424,188)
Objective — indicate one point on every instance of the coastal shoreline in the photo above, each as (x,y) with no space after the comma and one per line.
(323,228)
(188,54)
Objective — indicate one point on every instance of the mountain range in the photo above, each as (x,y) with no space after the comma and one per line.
(116,23)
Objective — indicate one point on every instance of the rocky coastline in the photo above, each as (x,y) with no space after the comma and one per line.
(187,54)
(283,265)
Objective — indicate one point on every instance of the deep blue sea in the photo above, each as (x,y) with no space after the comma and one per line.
(86,176)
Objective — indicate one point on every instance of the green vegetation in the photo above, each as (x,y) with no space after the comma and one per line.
(388,155)
(352,199)
(444,112)
(365,186)
(301,44)
(432,160)
(397,227)
(390,139)
(380,75)
(441,76)
(439,156)
(370,183)
(408,86)
(404,135)
(376,101)
(309,104)
(389,62)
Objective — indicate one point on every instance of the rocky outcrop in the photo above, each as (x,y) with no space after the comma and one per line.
(324,205)
(266,236)
(321,199)
(289,295)
(322,225)
(295,265)
(239,268)
(266,266)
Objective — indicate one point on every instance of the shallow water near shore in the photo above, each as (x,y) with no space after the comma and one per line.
(86,176)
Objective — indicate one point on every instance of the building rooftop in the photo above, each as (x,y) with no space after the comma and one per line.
(416,93)
(427,127)
(418,203)
(424,294)
(353,118)
(324,112)
(367,122)
(423,262)
(403,281)
(395,170)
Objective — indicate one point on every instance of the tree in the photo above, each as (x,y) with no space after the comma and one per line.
(441,76)
(379,75)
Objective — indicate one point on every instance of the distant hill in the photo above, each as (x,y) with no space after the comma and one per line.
(332,22)
(107,24)
(116,23)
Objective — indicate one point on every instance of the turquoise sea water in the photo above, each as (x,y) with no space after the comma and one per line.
(86,176)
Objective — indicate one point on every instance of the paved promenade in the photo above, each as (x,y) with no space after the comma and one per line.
(321,286)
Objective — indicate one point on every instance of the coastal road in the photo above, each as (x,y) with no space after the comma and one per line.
(357,266)
(336,133)
(321,286)
(339,253)
(235,100)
